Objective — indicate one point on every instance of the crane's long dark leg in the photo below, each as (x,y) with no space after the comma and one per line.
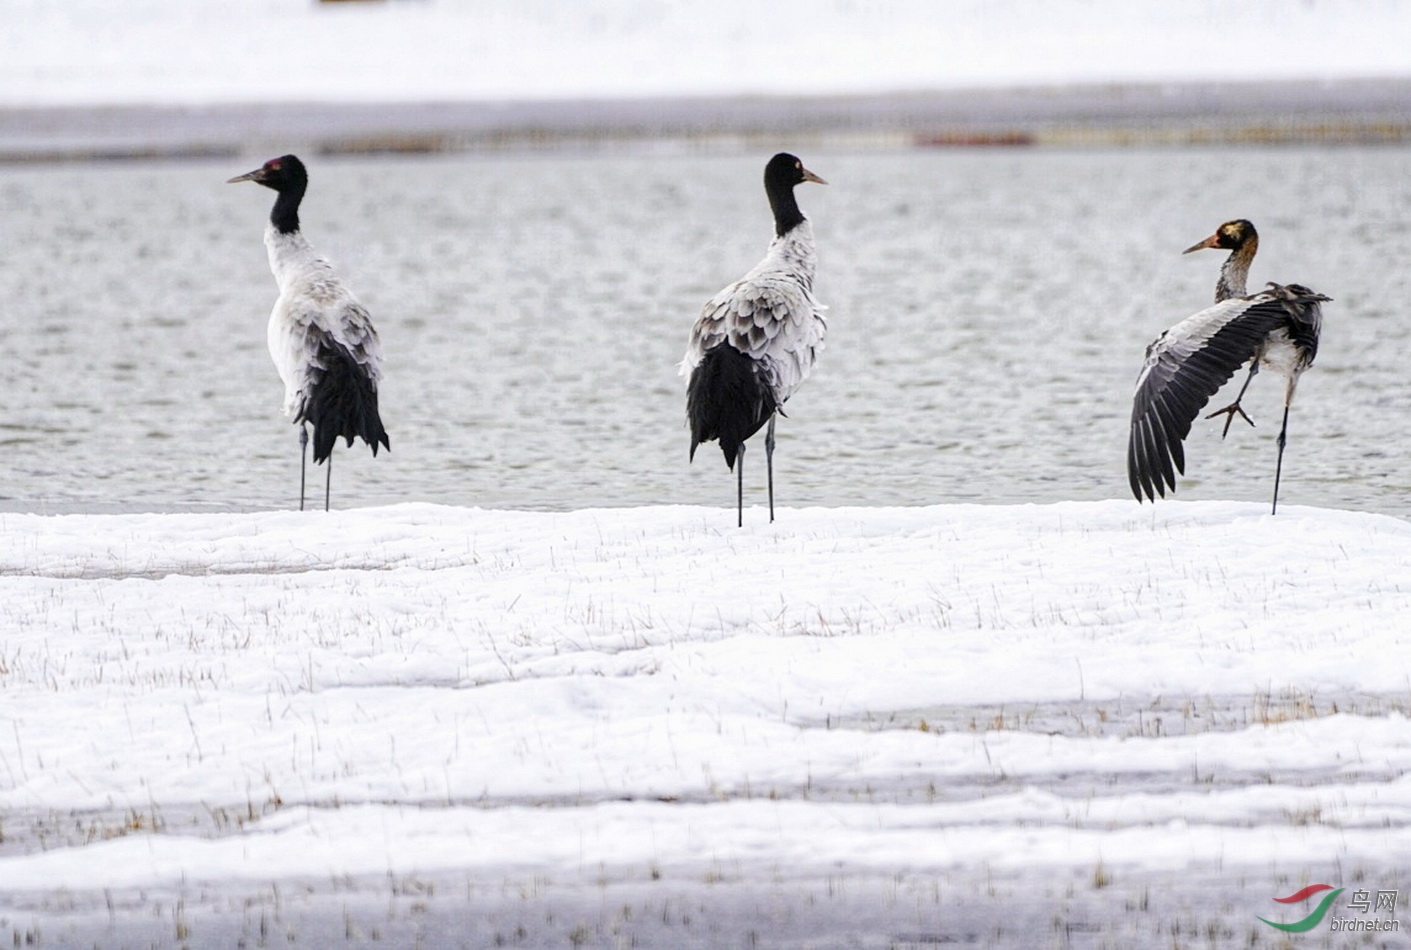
(769,464)
(1279,466)
(1234,407)
(303,460)
(328,482)
(740,486)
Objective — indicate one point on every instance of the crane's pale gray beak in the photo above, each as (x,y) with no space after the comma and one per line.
(810,176)
(256,175)
(1212,241)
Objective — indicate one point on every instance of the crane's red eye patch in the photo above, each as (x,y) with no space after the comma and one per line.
(272,164)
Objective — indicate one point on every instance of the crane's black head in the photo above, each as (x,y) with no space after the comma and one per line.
(287,176)
(783,172)
(786,171)
(1231,236)
(282,174)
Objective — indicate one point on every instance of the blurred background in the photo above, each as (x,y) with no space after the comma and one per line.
(179,76)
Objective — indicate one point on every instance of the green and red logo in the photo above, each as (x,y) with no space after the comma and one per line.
(1319,912)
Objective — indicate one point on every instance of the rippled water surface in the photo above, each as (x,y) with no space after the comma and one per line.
(988,314)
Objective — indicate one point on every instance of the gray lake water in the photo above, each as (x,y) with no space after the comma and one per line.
(988,315)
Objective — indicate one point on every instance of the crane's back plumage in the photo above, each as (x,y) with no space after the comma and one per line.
(324,346)
(769,316)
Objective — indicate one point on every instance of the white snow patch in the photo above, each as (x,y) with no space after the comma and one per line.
(421,687)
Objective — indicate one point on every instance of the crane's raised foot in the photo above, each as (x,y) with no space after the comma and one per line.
(1229,413)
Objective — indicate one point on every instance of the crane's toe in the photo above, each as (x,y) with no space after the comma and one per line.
(1229,413)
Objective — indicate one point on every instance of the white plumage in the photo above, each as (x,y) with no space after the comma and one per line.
(314,309)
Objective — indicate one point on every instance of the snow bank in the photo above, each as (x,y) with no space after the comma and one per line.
(212,697)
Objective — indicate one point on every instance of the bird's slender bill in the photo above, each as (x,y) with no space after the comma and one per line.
(1212,241)
(256,175)
(810,176)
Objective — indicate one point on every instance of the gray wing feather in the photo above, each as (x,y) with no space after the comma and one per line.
(772,319)
(1184,367)
(311,330)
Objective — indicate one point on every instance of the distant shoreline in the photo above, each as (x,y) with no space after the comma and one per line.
(1363,111)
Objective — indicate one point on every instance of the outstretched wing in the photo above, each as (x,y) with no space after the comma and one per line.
(1185,366)
(771,319)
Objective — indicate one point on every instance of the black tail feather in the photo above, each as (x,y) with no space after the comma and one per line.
(342,402)
(728,398)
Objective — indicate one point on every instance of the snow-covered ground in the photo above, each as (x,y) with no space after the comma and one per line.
(621,702)
(203,51)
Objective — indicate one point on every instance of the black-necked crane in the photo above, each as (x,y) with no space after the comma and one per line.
(320,337)
(757,340)
(1276,328)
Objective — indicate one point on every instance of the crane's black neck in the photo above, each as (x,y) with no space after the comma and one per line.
(285,216)
(785,206)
